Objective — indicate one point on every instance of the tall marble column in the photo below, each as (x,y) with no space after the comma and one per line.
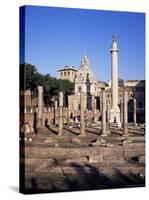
(60,131)
(82,123)
(125,113)
(40,104)
(134,111)
(115,111)
(104,133)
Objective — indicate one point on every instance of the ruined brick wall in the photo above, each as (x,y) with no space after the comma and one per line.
(49,116)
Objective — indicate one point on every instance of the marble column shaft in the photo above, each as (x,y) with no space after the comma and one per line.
(114,78)
(40,104)
(103,113)
(100,96)
(55,111)
(95,110)
(115,111)
(125,113)
(60,113)
(121,111)
(134,111)
(82,124)
(108,113)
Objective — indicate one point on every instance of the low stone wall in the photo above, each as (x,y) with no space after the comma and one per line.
(50,116)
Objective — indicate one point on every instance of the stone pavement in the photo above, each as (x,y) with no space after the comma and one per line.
(69,162)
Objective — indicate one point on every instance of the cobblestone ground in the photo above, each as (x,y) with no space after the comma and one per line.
(68,162)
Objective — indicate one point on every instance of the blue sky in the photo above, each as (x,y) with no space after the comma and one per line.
(55,37)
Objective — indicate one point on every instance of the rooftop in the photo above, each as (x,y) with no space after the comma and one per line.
(68,67)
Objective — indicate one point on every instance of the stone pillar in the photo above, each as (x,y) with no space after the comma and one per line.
(40,104)
(134,112)
(93,107)
(68,116)
(115,111)
(121,111)
(60,131)
(35,123)
(55,112)
(108,113)
(82,124)
(95,119)
(104,133)
(100,96)
(125,114)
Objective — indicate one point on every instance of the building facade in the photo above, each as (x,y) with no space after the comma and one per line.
(67,73)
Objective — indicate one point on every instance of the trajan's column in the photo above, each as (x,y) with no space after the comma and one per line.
(114,111)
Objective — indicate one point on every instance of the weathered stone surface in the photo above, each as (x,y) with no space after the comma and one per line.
(95,159)
(50,140)
(104,114)
(82,123)
(125,113)
(134,149)
(109,145)
(115,111)
(72,157)
(60,131)
(75,140)
(40,104)
(80,160)
(99,142)
(26,128)
(142,159)
(45,164)
(52,152)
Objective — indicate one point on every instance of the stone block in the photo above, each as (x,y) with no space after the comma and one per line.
(95,159)
(79,160)
(75,140)
(50,140)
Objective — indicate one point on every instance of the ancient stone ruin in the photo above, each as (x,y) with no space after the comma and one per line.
(88,144)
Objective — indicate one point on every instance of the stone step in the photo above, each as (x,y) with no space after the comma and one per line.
(52,152)
(133,149)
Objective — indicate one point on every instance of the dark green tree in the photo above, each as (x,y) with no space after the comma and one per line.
(30,78)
